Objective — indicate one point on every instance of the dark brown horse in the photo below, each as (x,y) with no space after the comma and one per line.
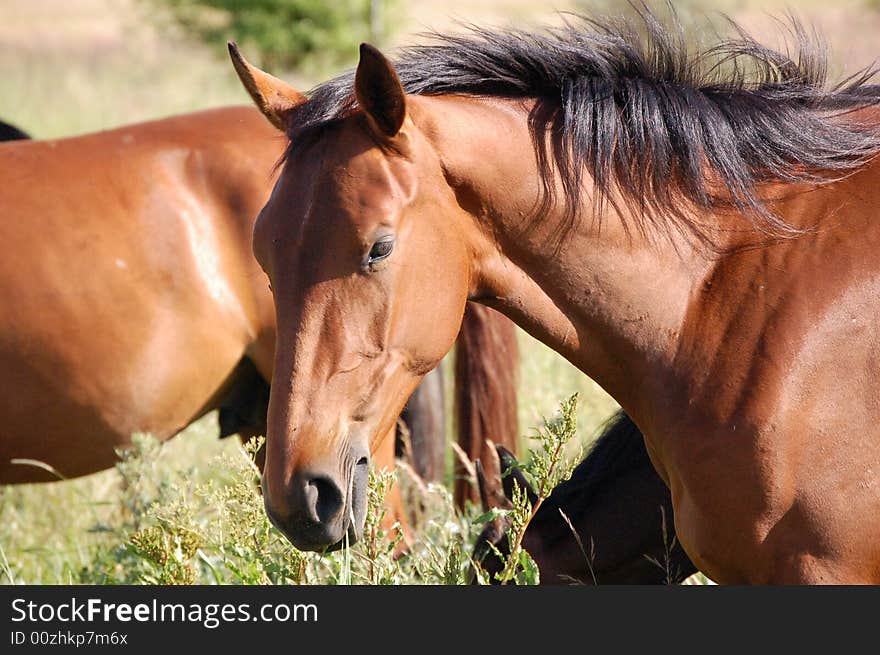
(620,515)
(9,132)
(132,302)
(698,232)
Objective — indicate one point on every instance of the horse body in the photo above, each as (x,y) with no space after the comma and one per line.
(750,366)
(129,299)
(739,359)
(794,427)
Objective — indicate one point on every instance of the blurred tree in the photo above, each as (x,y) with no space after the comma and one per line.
(286,34)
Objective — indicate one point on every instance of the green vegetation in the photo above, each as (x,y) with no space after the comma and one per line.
(71,68)
(168,515)
(286,34)
(547,467)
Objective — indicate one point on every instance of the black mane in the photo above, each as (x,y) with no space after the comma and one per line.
(658,127)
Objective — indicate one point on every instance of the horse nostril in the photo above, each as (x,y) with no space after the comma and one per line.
(323,499)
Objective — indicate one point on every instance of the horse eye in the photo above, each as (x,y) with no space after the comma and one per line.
(381,249)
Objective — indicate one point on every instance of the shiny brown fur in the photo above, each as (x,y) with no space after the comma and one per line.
(130,298)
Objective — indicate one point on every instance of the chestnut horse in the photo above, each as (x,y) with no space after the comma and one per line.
(619,518)
(133,303)
(697,231)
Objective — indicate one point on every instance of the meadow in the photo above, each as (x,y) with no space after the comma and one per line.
(187,510)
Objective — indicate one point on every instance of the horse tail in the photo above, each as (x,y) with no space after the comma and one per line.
(486,362)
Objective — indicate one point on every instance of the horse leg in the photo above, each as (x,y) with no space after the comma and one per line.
(805,548)
(422,440)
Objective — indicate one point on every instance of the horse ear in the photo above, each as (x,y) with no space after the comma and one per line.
(489,485)
(489,480)
(276,99)
(379,92)
(511,474)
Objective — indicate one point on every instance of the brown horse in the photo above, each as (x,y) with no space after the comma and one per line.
(129,298)
(617,524)
(132,300)
(698,232)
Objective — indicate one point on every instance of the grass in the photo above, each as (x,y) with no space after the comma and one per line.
(189,511)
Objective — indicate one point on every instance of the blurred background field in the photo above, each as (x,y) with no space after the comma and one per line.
(74,66)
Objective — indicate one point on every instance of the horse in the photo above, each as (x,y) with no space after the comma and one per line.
(9,132)
(133,303)
(609,523)
(696,230)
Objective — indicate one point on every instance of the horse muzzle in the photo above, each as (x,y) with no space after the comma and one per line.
(323,509)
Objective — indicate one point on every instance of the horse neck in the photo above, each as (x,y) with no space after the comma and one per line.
(612,301)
